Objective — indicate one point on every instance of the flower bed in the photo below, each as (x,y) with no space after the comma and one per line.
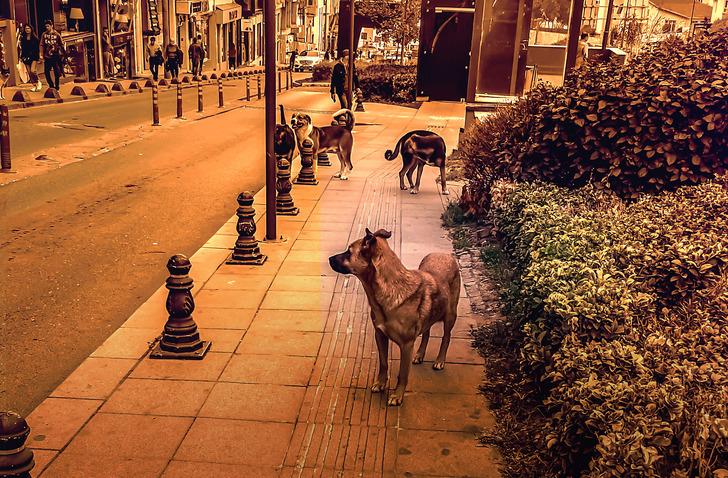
(379,82)
(621,314)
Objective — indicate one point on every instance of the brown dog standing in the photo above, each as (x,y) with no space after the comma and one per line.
(404,302)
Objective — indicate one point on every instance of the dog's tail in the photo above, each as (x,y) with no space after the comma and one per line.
(283,115)
(347,115)
(390,155)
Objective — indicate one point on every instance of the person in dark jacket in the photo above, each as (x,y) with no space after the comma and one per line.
(340,80)
(30,56)
(197,54)
(51,45)
(173,56)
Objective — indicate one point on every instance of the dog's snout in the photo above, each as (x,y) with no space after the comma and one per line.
(336,263)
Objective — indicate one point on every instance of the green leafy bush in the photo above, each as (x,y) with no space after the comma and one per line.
(378,81)
(622,315)
(656,124)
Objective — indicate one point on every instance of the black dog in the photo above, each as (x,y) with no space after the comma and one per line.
(419,147)
(284,141)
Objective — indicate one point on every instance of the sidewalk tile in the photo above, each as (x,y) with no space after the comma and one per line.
(275,369)
(455,378)
(239,282)
(290,320)
(158,397)
(236,319)
(54,422)
(236,442)
(222,340)
(129,436)
(94,378)
(186,469)
(445,412)
(207,369)
(229,299)
(444,454)
(290,268)
(288,342)
(304,283)
(259,402)
(267,269)
(311,256)
(330,247)
(75,466)
(42,459)
(127,342)
(291,300)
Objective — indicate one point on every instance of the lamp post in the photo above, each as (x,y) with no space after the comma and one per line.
(269,23)
(349,93)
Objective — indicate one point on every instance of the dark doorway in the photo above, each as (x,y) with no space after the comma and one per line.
(443,71)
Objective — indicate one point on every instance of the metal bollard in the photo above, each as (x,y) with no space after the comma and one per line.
(199,97)
(155,104)
(179,100)
(180,337)
(260,92)
(220,101)
(307,175)
(323,159)
(288,79)
(279,81)
(15,459)
(246,251)
(247,88)
(5,161)
(284,200)
(359,100)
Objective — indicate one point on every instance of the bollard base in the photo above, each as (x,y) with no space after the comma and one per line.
(8,171)
(323,160)
(285,211)
(199,354)
(252,261)
(306,181)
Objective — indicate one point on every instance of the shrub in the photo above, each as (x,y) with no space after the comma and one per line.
(622,315)
(655,124)
(379,81)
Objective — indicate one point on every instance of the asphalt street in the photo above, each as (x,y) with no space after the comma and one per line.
(82,246)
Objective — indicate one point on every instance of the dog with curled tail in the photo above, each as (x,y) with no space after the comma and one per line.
(419,148)
(404,303)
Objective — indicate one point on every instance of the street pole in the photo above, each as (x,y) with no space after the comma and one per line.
(607,25)
(692,13)
(349,94)
(269,23)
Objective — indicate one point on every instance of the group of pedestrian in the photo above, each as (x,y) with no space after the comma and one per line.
(49,47)
(173,56)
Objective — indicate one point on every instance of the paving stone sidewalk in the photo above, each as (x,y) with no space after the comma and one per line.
(285,390)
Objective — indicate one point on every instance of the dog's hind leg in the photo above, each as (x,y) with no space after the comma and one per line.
(383,349)
(342,167)
(402,172)
(420,167)
(420,355)
(405,354)
(448,323)
(443,182)
(411,165)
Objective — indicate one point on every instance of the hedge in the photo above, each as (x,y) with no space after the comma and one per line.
(656,124)
(621,312)
(379,82)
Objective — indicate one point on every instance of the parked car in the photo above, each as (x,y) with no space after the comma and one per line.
(307,61)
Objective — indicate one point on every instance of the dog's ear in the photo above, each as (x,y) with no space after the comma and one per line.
(383,233)
(308,118)
(369,238)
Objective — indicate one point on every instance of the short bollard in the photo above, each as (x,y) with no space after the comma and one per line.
(199,97)
(359,101)
(179,100)
(15,459)
(260,93)
(247,88)
(220,100)
(5,162)
(180,338)
(155,104)
(284,200)
(323,159)
(246,251)
(307,174)
(279,81)
(288,79)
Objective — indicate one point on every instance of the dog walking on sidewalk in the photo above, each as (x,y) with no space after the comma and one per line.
(328,139)
(404,303)
(419,148)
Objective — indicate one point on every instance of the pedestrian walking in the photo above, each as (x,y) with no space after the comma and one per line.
(340,80)
(201,60)
(107,54)
(232,56)
(196,54)
(51,45)
(327,55)
(294,54)
(173,56)
(30,56)
(156,58)
(582,50)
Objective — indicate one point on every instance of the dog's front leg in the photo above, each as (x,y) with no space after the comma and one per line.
(405,359)
(383,348)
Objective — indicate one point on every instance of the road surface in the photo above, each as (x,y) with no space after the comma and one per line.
(81,247)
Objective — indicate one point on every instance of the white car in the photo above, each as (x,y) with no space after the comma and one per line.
(307,62)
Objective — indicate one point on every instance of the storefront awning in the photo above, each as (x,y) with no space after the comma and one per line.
(228,12)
